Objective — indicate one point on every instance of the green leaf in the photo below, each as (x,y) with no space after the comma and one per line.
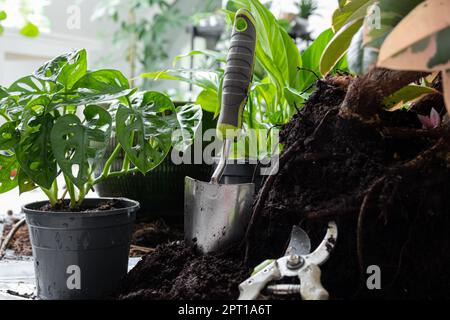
(189,118)
(311,58)
(9,135)
(217,56)
(30,88)
(100,86)
(25,182)
(338,46)
(360,58)
(3,15)
(8,173)
(352,10)
(29,30)
(145,130)
(34,151)
(391,13)
(295,97)
(209,100)
(79,147)
(406,95)
(66,69)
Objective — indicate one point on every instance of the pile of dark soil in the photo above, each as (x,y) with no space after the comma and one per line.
(174,271)
(385,184)
(20,243)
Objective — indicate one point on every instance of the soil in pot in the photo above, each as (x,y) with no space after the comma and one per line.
(387,190)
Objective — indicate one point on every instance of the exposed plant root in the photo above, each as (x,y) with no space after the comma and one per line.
(330,213)
(365,94)
(409,133)
(369,197)
(441,145)
(10,236)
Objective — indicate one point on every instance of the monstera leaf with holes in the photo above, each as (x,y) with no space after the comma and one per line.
(78,147)
(30,91)
(34,151)
(425,49)
(8,172)
(187,122)
(144,130)
(9,135)
(66,69)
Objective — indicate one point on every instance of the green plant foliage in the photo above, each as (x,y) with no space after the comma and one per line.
(338,46)
(44,135)
(30,30)
(8,173)
(406,95)
(144,130)
(81,146)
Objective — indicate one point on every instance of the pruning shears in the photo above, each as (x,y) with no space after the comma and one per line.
(298,261)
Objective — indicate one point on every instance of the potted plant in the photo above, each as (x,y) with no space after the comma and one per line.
(59,122)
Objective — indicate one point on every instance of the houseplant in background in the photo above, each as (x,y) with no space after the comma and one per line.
(283,78)
(143,37)
(58,125)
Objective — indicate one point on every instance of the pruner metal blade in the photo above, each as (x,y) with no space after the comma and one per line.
(299,244)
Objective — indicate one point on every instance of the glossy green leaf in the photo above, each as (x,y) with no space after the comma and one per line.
(145,129)
(338,46)
(311,59)
(30,88)
(209,100)
(217,56)
(34,151)
(100,86)
(188,120)
(350,11)
(406,95)
(8,173)
(29,30)
(79,147)
(9,135)
(66,69)
(25,182)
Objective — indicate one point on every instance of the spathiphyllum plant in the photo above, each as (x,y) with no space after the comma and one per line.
(59,122)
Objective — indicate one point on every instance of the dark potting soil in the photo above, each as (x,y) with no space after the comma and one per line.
(391,206)
(174,271)
(64,207)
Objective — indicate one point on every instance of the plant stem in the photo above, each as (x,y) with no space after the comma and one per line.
(51,196)
(5,116)
(70,187)
(109,162)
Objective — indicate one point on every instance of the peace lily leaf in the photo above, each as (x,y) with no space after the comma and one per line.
(406,95)
(295,97)
(360,58)
(425,49)
(24,181)
(350,11)
(9,135)
(446,88)
(391,12)
(100,86)
(311,58)
(8,173)
(145,130)
(189,118)
(29,88)
(29,30)
(79,147)
(34,151)
(66,69)
(208,99)
(338,46)
(216,55)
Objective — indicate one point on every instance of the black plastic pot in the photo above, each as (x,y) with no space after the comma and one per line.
(80,255)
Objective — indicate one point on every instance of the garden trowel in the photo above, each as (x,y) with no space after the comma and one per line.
(216,215)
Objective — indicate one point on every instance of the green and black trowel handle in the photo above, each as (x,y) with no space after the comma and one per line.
(236,84)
